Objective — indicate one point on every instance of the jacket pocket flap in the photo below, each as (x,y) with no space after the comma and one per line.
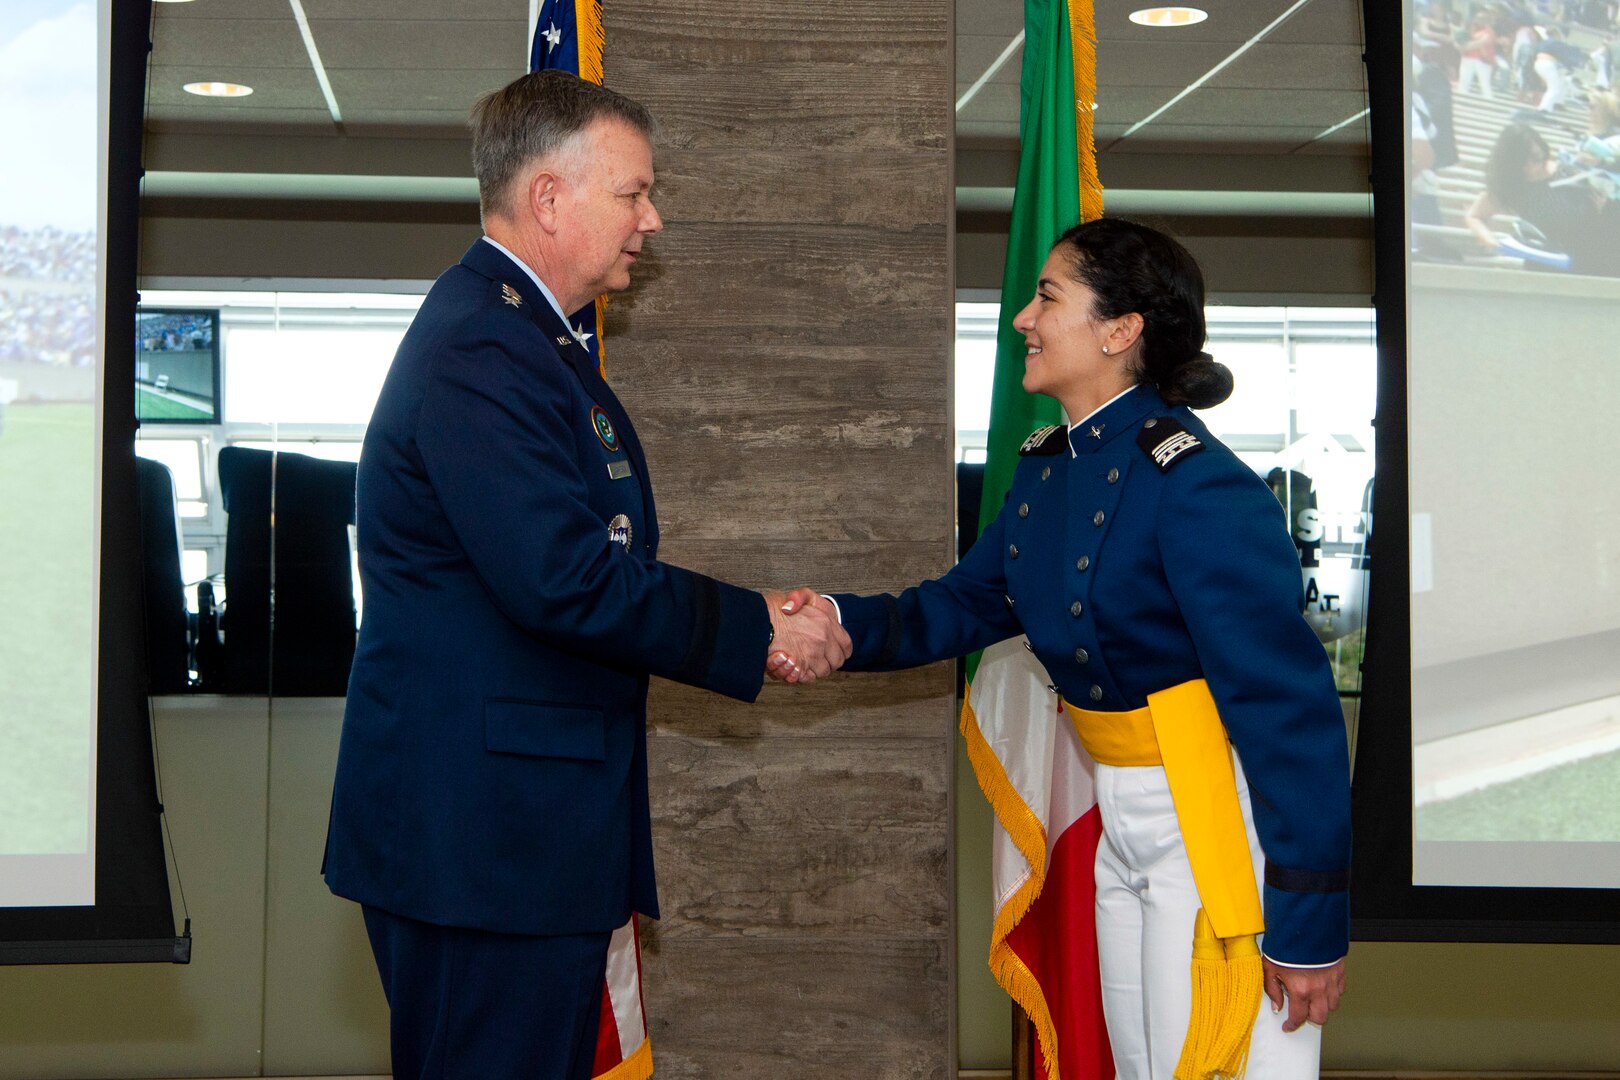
(541,730)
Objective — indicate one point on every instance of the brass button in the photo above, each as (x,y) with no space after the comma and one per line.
(1082,562)
(1046,472)
(1150,423)
(1097,518)
(1023,509)
(1076,608)
(1113,476)
(1012,550)
(1009,600)
(1096,692)
(1081,656)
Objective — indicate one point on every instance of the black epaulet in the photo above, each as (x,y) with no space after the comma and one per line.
(1047,440)
(1164,440)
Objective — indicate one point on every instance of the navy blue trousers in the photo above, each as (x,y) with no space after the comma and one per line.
(473,1005)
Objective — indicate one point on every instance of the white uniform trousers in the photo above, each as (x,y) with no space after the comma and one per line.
(1146,905)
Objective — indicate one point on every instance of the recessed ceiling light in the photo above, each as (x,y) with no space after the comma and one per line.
(217,89)
(1169,16)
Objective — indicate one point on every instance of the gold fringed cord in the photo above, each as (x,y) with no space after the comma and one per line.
(1226,988)
(588,27)
(1028,834)
(1083,44)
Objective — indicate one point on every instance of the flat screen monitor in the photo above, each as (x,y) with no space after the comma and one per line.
(177,365)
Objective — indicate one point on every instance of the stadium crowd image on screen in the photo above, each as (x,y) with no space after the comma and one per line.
(177,366)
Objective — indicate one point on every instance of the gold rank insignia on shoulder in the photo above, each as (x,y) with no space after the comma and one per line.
(510,295)
(1166,441)
(1046,440)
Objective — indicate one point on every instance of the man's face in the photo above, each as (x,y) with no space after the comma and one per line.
(606,210)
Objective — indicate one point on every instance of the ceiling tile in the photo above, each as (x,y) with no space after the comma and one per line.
(426,10)
(1265,108)
(405,45)
(363,93)
(1321,67)
(217,44)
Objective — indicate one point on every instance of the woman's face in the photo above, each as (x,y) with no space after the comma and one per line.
(1537,162)
(1064,337)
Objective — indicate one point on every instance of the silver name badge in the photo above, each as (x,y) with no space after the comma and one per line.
(618,470)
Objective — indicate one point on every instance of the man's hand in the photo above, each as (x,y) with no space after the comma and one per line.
(1310,993)
(808,641)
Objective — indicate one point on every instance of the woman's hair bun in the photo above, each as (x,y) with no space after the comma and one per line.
(1200,383)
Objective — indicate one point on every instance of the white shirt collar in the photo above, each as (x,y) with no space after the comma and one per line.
(1092,413)
(534,277)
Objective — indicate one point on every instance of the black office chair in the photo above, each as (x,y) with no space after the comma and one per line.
(289,628)
(168,642)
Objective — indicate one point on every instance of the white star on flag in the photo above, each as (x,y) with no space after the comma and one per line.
(553,36)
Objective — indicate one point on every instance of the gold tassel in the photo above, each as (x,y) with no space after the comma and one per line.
(1246,984)
(1227,981)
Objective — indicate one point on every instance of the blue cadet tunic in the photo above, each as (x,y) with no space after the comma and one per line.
(1149,557)
(492,771)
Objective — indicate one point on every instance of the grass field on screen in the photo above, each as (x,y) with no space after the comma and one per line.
(47,483)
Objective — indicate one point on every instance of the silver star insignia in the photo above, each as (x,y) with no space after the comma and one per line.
(582,337)
(552,35)
(510,295)
(1096,430)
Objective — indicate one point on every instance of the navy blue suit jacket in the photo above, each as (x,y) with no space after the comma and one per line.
(492,771)
(1130,578)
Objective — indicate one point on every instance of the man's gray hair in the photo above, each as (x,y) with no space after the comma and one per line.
(534,117)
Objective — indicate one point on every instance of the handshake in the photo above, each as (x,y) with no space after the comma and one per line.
(807,642)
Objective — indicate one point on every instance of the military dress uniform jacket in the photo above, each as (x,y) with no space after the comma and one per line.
(1150,557)
(492,770)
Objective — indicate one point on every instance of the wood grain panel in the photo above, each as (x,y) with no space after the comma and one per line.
(901,101)
(744,1010)
(781,284)
(916,704)
(900,189)
(801,837)
(785,353)
(734,29)
(792,443)
(830,566)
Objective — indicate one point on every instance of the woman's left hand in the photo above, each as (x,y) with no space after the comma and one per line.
(1310,993)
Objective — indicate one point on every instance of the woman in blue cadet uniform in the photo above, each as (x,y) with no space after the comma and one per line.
(1154,576)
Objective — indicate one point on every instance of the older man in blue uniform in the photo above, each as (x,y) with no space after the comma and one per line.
(490,810)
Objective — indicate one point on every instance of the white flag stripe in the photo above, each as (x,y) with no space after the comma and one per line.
(624,988)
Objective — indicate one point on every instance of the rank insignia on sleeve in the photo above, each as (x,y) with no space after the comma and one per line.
(604,427)
(510,295)
(1047,440)
(1166,441)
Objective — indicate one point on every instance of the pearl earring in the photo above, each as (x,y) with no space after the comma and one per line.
(1105,350)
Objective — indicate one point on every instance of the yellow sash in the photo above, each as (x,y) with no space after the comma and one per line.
(1181,730)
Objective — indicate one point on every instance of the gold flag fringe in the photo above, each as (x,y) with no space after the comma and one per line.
(592,39)
(1083,44)
(1028,834)
(588,28)
(638,1066)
